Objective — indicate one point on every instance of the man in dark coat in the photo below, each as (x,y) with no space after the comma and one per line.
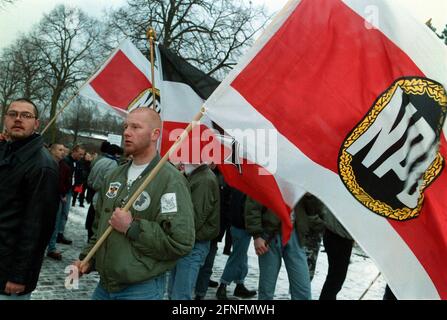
(72,161)
(28,201)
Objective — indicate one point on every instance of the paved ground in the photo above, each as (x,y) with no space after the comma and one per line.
(51,286)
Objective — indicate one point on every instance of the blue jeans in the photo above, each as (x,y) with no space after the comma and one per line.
(236,268)
(206,271)
(153,289)
(65,212)
(52,243)
(296,265)
(15,297)
(184,275)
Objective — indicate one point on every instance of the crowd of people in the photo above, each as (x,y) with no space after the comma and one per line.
(165,244)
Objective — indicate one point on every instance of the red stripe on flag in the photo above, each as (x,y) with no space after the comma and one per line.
(120,82)
(200,146)
(167,138)
(262,188)
(428,231)
(292,76)
(324,82)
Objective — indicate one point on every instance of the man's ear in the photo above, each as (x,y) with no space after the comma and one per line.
(36,125)
(155,134)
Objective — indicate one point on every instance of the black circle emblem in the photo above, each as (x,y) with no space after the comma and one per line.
(391,157)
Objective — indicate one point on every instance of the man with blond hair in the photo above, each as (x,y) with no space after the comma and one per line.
(158,229)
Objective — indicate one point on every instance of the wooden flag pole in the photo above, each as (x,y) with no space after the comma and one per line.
(151,36)
(369,287)
(58,113)
(146,181)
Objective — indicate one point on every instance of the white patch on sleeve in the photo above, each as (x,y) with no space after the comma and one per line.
(113,189)
(168,203)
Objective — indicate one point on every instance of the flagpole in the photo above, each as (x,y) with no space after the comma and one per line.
(146,181)
(369,287)
(79,89)
(58,113)
(151,36)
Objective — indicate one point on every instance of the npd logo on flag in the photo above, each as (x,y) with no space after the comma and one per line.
(390,157)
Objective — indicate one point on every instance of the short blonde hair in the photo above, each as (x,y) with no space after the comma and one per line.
(153,116)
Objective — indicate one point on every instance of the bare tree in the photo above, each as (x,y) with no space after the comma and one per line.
(444,35)
(9,82)
(21,74)
(28,63)
(84,116)
(78,118)
(3,3)
(211,34)
(65,38)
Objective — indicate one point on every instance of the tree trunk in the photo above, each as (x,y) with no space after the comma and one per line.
(76,130)
(53,129)
(2,118)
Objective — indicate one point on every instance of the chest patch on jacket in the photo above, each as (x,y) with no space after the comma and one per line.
(168,203)
(113,190)
(143,202)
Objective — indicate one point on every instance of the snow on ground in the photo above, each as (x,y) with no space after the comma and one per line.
(361,273)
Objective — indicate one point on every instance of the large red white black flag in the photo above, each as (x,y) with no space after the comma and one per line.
(123,83)
(354,92)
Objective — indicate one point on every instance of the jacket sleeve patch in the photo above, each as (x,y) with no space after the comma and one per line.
(113,190)
(168,203)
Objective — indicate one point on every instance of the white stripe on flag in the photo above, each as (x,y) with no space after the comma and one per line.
(180,102)
(138,59)
(90,93)
(414,38)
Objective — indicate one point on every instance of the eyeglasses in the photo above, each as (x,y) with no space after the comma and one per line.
(22,115)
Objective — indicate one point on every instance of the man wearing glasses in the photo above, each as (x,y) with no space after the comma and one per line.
(28,201)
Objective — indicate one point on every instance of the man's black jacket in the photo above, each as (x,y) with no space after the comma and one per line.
(29,201)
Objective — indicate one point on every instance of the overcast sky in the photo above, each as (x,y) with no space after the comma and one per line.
(22,15)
